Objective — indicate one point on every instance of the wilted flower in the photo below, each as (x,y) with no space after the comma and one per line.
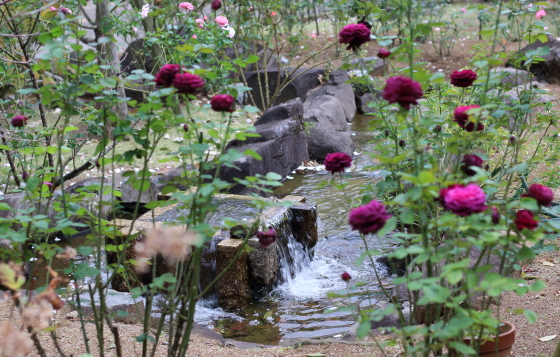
(145,10)
(383,53)
(37,316)
(541,193)
(369,218)
(187,83)
(464,78)
(186,6)
(19,121)
(174,244)
(354,35)
(403,91)
(525,219)
(540,14)
(231,31)
(461,117)
(267,238)
(14,342)
(222,103)
(337,162)
(68,253)
(221,20)
(167,74)
(345,276)
(216,5)
(471,160)
(463,200)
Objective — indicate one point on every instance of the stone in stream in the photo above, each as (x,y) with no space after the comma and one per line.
(304,224)
(233,287)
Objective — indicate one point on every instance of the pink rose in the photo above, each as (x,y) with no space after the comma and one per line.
(463,200)
(186,6)
(200,23)
(221,20)
(541,193)
(540,14)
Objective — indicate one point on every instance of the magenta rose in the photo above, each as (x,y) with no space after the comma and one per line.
(402,90)
(461,117)
(267,237)
(383,53)
(525,219)
(464,78)
(216,4)
(463,200)
(337,162)
(471,160)
(354,35)
(166,74)
(542,194)
(369,218)
(19,121)
(187,83)
(222,103)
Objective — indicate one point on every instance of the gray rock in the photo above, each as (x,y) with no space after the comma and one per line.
(522,94)
(282,146)
(362,103)
(233,287)
(373,65)
(513,76)
(130,194)
(326,113)
(122,305)
(263,263)
(289,110)
(337,88)
(322,143)
(175,179)
(304,224)
(547,70)
(268,60)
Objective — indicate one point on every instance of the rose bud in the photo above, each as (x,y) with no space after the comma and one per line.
(437,129)
(222,103)
(24,175)
(345,276)
(97,164)
(49,185)
(267,238)
(216,4)
(383,53)
(186,127)
(402,143)
(486,167)
(512,139)
(495,215)
(386,133)
(19,121)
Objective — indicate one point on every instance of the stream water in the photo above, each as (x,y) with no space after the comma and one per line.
(299,307)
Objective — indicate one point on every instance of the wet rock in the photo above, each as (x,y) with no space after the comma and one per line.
(304,224)
(338,88)
(116,303)
(322,143)
(233,287)
(289,110)
(282,146)
(547,70)
(263,263)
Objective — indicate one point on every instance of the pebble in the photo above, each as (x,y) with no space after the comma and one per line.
(72,315)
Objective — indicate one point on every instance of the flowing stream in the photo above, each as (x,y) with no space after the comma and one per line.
(300,307)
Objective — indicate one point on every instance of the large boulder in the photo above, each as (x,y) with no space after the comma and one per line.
(337,87)
(326,113)
(547,70)
(290,84)
(321,143)
(282,146)
(292,109)
(513,76)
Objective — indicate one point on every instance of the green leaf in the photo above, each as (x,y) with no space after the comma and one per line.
(462,348)
(363,329)
(530,315)
(252,59)
(108,82)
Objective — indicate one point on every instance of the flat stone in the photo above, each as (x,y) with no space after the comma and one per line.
(115,302)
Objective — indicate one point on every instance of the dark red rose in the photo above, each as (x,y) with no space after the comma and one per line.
(495,215)
(337,162)
(402,90)
(464,78)
(402,143)
(463,201)
(267,237)
(471,160)
(166,74)
(354,35)
(345,276)
(525,219)
(186,127)
(369,218)
(222,103)
(19,121)
(383,53)
(97,164)
(364,22)
(187,83)
(512,139)
(461,117)
(24,175)
(542,194)
(216,4)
